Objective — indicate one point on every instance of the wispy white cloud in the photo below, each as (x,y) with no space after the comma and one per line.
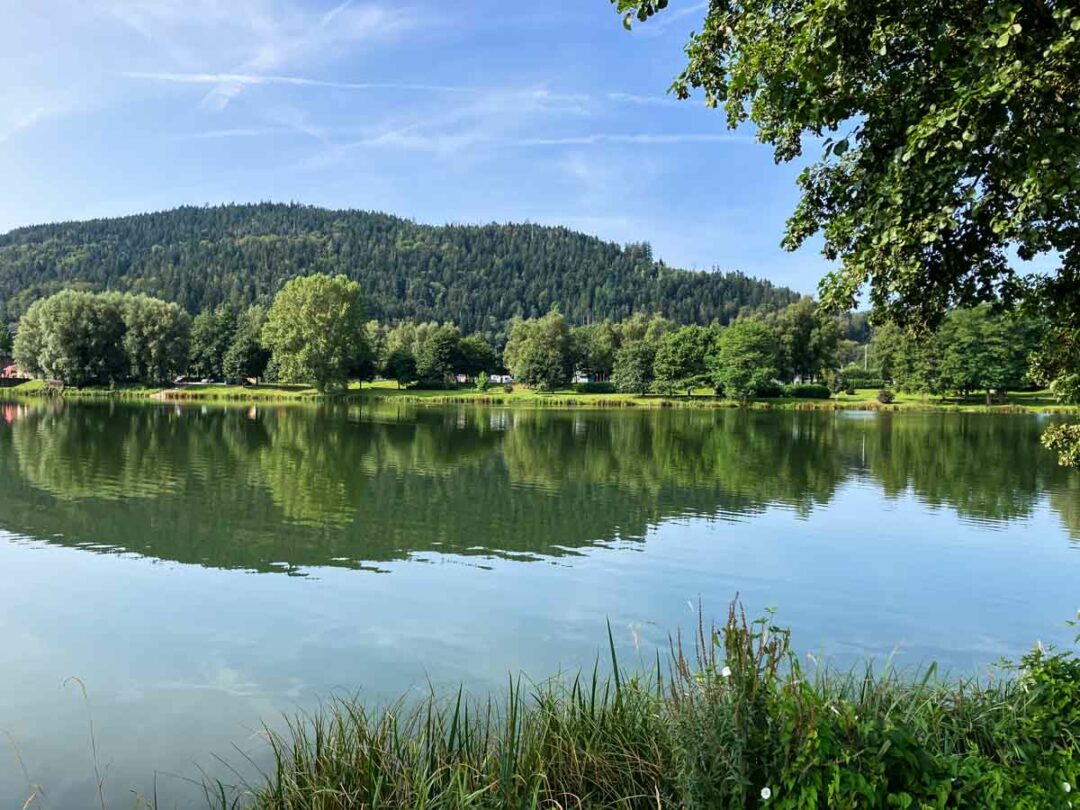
(346,24)
(640,139)
(631,98)
(252,79)
(16,122)
(336,11)
(257,42)
(235,132)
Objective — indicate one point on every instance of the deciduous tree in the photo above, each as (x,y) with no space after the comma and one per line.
(538,352)
(401,367)
(680,359)
(74,337)
(315,330)
(745,359)
(949,138)
(157,337)
(633,373)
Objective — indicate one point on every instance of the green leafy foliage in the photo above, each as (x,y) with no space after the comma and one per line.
(156,340)
(212,333)
(953,137)
(745,359)
(476,357)
(633,373)
(439,356)
(74,337)
(315,330)
(400,366)
(593,348)
(807,340)
(808,391)
(82,338)
(680,359)
(973,350)
(538,352)
(950,151)
(1065,441)
(246,357)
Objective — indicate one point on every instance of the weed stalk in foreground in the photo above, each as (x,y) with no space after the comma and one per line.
(735,723)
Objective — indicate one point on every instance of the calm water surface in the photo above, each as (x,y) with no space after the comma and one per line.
(200,570)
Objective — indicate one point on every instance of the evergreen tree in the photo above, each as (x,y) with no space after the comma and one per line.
(479,277)
(212,332)
(246,357)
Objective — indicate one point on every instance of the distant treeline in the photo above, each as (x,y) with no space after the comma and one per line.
(479,277)
(316,332)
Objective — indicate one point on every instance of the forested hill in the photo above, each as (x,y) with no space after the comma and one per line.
(476,276)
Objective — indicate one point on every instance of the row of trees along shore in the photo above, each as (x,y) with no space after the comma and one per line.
(315,332)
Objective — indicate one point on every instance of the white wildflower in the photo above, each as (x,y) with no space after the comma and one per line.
(1066,787)
(766,794)
(726,672)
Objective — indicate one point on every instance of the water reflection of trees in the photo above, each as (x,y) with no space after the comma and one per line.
(985,467)
(307,487)
(75,454)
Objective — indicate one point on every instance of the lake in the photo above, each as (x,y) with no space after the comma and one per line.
(199,570)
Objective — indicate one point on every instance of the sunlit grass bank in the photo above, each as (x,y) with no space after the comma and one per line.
(861,399)
(738,725)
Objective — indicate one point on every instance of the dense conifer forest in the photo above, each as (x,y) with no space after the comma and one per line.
(477,276)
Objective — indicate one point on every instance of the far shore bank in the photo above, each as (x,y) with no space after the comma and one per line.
(862,400)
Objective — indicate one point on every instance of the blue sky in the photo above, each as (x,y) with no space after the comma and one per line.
(475,111)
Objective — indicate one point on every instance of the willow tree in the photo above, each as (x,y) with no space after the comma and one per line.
(945,137)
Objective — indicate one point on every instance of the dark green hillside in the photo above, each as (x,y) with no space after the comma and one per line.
(477,276)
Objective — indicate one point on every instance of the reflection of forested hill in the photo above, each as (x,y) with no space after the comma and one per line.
(232,488)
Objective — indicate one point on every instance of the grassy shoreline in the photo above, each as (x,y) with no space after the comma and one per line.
(736,725)
(861,400)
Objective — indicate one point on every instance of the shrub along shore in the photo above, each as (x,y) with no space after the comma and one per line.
(860,400)
(739,724)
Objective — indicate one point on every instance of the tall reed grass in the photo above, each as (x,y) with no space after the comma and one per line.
(735,723)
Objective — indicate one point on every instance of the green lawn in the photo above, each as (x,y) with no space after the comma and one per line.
(862,399)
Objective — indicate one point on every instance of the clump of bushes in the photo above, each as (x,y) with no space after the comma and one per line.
(772,390)
(734,724)
(886,397)
(859,377)
(807,391)
(594,388)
